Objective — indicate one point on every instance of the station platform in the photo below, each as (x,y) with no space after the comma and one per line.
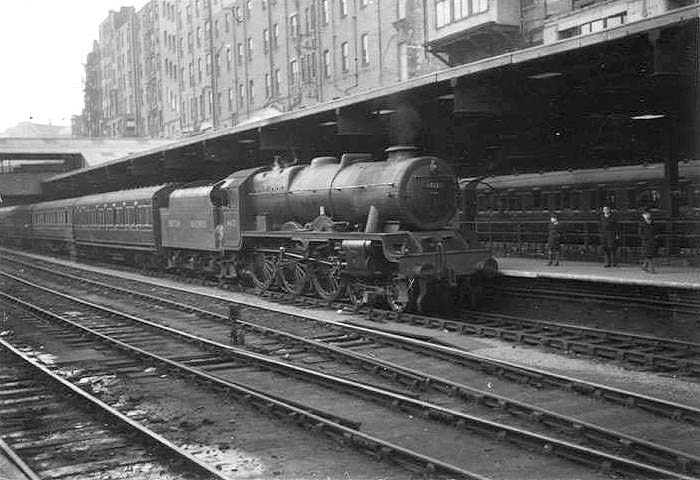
(666,276)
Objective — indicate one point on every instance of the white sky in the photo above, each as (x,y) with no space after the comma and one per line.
(43,46)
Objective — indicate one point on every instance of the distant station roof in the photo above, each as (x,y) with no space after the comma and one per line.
(94,152)
(592,83)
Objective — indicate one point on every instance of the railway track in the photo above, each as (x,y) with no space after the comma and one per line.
(184,357)
(52,429)
(444,391)
(645,351)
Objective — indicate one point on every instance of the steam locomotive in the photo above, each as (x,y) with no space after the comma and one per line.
(366,229)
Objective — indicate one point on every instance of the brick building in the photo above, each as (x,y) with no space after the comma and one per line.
(91,118)
(176,67)
(120,85)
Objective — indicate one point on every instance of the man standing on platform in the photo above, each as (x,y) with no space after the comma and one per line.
(647,237)
(553,240)
(608,236)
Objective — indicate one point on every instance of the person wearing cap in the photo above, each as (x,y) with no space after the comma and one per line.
(553,240)
(608,229)
(647,239)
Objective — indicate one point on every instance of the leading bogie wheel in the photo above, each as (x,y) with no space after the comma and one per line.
(399,295)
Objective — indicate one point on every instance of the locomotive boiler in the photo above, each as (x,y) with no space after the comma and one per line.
(410,191)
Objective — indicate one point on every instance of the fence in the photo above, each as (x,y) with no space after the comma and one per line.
(678,240)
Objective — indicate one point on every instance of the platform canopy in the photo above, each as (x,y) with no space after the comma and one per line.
(91,152)
(618,96)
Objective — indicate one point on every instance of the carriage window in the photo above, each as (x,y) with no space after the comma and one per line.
(557,201)
(592,200)
(696,198)
(650,198)
(512,202)
(601,197)
(120,216)
(576,200)
(631,198)
(482,201)
(683,198)
(536,199)
(130,216)
(565,199)
(545,201)
(65,219)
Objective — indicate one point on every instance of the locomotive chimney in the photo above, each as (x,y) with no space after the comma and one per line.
(400,152)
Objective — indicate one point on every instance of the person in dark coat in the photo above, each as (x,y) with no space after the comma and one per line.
(609,232)
(647,238)
(554,240)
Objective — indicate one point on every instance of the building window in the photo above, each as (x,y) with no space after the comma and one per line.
(403,61)
(199,36)
(250,48)
(443,12)
(241,94)
(364,42)
(326,64)
(278,82)
(249,7)
(251,92)
(275,35)
(363,3)
(230,99)
(228,59)
(294,68)
(266,40)
(227,22)
(240,53)
(449,11)
(268,86)
(207,27)
(294,25)
(325,12)
(344,56)
(199,68)
(343,7)
(218,64)
(401,8)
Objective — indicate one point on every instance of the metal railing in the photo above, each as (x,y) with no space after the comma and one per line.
(677,240)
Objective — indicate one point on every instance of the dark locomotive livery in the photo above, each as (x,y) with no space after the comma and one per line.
(513,210)
(368,229)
